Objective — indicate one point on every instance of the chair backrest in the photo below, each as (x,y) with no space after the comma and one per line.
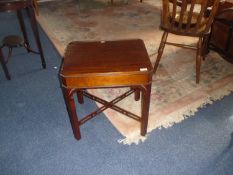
(188,17)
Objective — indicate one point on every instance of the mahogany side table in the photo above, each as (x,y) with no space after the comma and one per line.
(106,64)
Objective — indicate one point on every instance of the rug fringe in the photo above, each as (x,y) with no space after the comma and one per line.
(178,116)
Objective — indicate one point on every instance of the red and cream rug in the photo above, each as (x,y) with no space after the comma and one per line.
(175,95)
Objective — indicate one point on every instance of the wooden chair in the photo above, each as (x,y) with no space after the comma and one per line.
(187,18)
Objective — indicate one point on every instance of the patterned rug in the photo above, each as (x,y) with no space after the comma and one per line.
(175,95)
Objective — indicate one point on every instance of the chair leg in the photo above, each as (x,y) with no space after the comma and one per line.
(3,63)
(205,49)
(199,59)
(160,51)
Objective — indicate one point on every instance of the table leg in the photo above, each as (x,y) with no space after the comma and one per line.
(137,94)
(146,91)
(23,29)
(70,104)
(80,96)
(36,34)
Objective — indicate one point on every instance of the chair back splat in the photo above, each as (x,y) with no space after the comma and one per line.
(188,17)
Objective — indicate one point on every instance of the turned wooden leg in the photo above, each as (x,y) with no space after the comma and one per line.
(205,49)
(70,104)
(198,59)
(145,108)
(160,51)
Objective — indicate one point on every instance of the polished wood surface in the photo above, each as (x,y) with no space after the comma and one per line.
(104,64)
(181,18)
(90,62)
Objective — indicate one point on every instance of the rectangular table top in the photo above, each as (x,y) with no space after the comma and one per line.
(111,59)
